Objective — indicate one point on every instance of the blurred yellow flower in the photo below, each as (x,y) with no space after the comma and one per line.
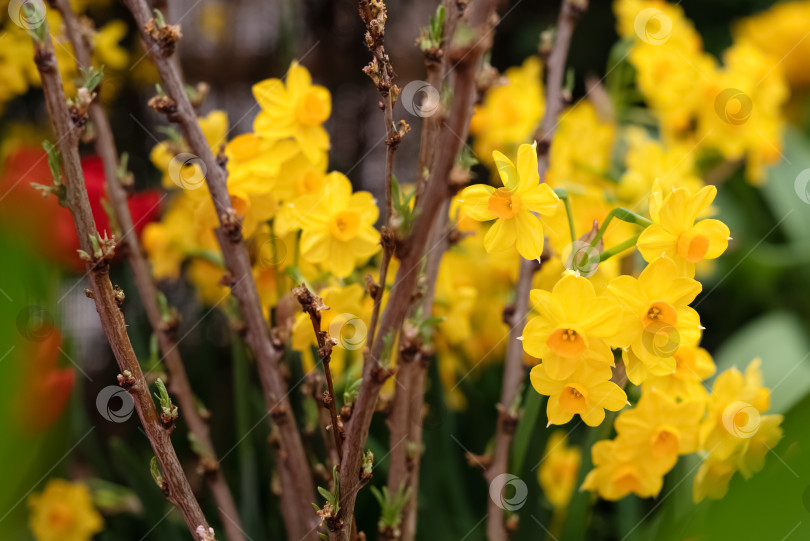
(64,512)
(107,48)
(735,405)
(581,153)
(659,429)
(615,474)
(510,112)
(558,469)
(693,364)
(295,109)
(780,31)
(338,226)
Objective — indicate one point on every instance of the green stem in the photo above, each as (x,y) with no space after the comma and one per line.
(525,428)
(562,194)
(619,248)
(624,215)
(277,276)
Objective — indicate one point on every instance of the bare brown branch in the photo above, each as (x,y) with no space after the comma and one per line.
(294,471)
(177,488)
(178,383)
(373,14)
(312,305)
(465,54)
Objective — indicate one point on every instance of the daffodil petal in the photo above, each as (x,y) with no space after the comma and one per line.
(475,202)
(717,232)
(501,235)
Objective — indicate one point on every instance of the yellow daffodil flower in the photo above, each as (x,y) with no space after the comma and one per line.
(659,429)
(296,109)
(657,318)
(693,364)
(338,226)
(570,327)
(587,392)
(64,511)
(675,232)
(735,405)
(513,206)
(510,112)
(558,470)
(615,475)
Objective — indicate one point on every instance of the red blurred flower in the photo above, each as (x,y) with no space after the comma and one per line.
(45,388)
(49,225)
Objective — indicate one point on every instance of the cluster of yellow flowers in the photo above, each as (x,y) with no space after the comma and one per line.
(294,213)
(590,310)
(596,323)
(733,108)
(17,70)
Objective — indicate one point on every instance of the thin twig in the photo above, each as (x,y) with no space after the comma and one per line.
(177,488)
(293,467)
(380,70)
(312,305)
(466,55)
(178,383)
(514,371)
(405,419)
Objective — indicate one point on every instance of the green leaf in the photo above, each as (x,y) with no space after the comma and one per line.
(786,192)
(780,340)
(53,160)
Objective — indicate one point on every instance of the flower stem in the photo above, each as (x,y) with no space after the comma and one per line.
(624,215)
(562,194)
(619,248)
